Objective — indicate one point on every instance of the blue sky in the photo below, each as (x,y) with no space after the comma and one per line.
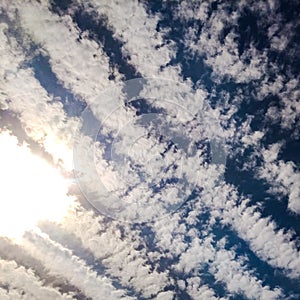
(173,127)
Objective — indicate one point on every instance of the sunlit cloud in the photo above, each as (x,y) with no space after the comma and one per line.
(31,189)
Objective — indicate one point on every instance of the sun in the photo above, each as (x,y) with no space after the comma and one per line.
(31,189)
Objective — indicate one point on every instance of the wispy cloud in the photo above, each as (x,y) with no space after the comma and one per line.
(23,280)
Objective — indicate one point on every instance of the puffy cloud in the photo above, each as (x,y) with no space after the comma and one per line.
(120,256)
(198,290)
(223,55)
(282,176)
(137,30)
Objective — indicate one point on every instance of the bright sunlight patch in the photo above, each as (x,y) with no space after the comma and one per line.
(31,189)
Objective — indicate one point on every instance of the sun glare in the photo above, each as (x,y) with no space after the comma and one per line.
(31,189)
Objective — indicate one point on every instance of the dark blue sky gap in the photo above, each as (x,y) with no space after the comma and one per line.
(264,272)
(42,69)
(203,226)
(288,59)
(192,67)
(245,181)
(96,26)
(257,190)
(72,104)
(250,32)
(88,20)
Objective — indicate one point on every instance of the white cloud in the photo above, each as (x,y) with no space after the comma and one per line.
(197,10)
(117,250)
(197,290)
(23,280)
(37,29)
(42,120)
(137,30)
(230,268)
(61,262)
(118,255)
(282,176)
(225,267)
(252,139)
(169,295)
(288,92)
(223,57)
(13,294)
(82,67)
(268,242)
(253,73)
(281,34)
